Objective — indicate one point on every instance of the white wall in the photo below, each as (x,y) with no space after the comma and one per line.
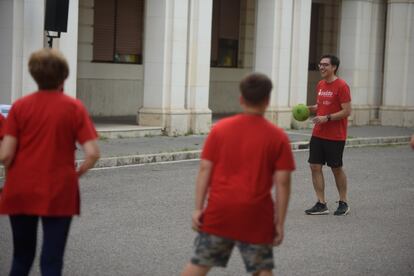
(21,32)
(6,50)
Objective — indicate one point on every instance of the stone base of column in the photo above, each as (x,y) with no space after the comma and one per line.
(363,115)
(200,121)
(281,117)
(397,116)
(175,122)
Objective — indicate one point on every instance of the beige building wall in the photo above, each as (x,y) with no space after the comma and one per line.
(224,82)
(107,89)
(103,87)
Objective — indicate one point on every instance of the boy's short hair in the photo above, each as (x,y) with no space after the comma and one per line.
(255,88)
(333,59)
(48,68)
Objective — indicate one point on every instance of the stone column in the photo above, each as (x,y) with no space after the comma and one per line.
(282,52)
(361,54)
(246,37)
(165,63)
(398,97)
(300,54)
(68,45)
(21,31)
(300,51)
(198,72)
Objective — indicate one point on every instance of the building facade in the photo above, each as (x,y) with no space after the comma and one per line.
(175,63)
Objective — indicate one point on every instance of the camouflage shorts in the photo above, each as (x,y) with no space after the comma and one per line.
(210,250)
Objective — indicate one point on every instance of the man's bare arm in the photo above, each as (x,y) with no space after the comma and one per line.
(343,113)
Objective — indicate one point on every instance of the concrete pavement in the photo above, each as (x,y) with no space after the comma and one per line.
(136,221)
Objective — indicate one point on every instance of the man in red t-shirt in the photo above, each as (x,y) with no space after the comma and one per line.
(333,106)
(38,151)
(243,158)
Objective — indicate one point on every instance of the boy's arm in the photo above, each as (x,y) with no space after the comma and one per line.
(203,179)
(281,180)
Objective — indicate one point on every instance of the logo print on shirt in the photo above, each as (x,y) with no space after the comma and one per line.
(325,93)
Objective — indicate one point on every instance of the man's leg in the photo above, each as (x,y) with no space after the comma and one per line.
(318,182)
(195,270)
(316,161)
(55,233)
(24,229)
(334,160)
(335,150)
(341,184)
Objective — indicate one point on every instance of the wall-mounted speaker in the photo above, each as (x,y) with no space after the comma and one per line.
(56,15)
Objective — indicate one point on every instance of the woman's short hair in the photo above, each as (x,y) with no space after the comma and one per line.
(48,68)
(255,88)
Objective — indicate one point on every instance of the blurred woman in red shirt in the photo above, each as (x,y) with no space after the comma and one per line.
(38,151)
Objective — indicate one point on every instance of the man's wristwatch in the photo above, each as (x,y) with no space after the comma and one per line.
(328,117)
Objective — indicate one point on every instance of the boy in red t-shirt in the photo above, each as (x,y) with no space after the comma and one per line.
(243,158)
(38,151)
(333,106)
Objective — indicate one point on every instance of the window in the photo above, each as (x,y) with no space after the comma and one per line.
(314,52)
(118,31)
(324,31)
(225,33)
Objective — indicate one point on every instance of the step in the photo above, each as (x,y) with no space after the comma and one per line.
(113,131)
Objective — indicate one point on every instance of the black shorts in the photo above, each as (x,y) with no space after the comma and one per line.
(323,151)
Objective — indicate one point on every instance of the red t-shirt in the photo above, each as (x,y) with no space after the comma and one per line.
(42,178)
(329,99)
(245,150)
(2,120)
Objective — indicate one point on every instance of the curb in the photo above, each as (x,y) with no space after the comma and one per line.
(110,162)
(362,142)
(120,161)
(142,159)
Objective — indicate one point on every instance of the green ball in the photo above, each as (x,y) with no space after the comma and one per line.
(300,112)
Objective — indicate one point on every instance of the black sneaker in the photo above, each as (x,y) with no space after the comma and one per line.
(318,209)
(343,209)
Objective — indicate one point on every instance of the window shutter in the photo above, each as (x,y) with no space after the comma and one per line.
(129,27)
(229,19)
(104,30)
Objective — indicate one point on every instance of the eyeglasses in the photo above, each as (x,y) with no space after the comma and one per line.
(323,64)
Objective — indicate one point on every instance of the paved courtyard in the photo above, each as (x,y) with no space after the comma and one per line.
(136,221)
